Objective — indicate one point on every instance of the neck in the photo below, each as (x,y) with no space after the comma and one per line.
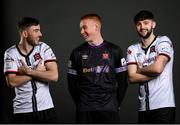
(24,47)
(97,41)
(146,42)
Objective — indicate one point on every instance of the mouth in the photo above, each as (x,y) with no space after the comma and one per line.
(85,36)
(143,30)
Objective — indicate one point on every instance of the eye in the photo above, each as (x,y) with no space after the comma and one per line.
(146,23)
(138,24)
(36,30)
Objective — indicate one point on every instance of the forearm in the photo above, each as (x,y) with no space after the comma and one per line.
(45,76)
(151,70)
(18,80)
(139,78)
(156,68)
(122,86)
(72,87)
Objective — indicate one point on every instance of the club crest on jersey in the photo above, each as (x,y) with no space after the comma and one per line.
(152,49)
(105,56)
(37,56)
(84,56)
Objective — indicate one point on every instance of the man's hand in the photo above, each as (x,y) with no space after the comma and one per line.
(40,66)
(139,65)
(24,69)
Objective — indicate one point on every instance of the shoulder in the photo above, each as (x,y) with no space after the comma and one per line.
(80,48)
(134,46)
(114,48)
(163,37)
(11,50)
(42,44)
(112,45)
(164,40)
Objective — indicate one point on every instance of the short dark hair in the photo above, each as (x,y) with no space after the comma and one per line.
(26,22)
(92,16)
(142,15)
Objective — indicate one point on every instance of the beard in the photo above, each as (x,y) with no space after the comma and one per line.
(31,41)
(147,35)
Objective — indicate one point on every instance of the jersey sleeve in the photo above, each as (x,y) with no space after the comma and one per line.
(165,47)
(131,56)
(120,62)
(48,54)
(121,75)
(72,76)
(72,64)
(10,63)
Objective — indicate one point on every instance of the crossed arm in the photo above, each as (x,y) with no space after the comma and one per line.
(138,74)
(46,73)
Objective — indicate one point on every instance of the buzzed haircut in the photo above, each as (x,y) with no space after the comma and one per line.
(143,15)
(26,22)
(92,16)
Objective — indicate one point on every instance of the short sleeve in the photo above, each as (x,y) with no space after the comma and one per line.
(10,63)
(165,47)
(130,56)
(48,54)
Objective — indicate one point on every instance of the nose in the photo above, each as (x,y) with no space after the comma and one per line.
(40,34)
(142,26)
(82,31)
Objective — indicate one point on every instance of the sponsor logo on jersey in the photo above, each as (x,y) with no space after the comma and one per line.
(9,59)
(97,69)
(165,49)
(150,60)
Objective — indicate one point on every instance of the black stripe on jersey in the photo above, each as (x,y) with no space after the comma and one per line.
(22,53)
(33,84)
(10,72)
(146,49)
(46,49)
(130,63)
(147,96)
(169,58)
(50,60)
(34,102)
(34,87)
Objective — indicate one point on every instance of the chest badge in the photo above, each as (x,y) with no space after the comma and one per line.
(105,56)
(37,56)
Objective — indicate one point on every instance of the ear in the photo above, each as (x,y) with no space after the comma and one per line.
(25,33)
(154,24)
(97,26)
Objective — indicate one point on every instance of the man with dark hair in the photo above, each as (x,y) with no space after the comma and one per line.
(97,75)
(150,64)
(29,67)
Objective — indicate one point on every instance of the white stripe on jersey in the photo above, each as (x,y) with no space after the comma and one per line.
(160,89)
(24,93)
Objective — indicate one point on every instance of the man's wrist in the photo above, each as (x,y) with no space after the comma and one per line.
(29,71)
